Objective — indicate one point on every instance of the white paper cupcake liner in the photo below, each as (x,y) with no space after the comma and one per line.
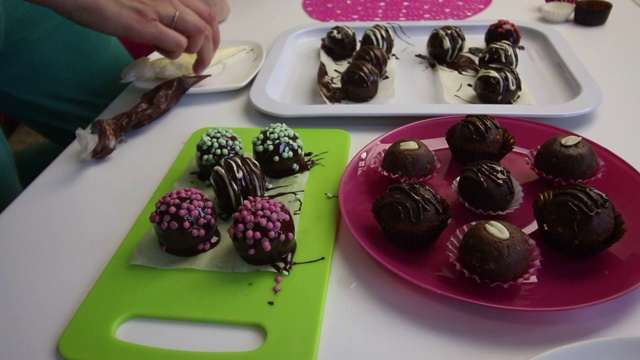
(528,277)
(518,198)
(557,11)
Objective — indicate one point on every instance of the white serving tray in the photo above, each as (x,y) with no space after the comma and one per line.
(287,86)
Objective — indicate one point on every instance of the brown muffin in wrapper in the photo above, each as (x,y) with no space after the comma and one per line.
(479,137)
(531,155)
(528,276)
(411,215)
(588,221)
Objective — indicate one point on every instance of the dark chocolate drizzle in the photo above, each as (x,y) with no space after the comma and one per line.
(483,124)
(488,170)
(424,199)
(583,198)
(395,26)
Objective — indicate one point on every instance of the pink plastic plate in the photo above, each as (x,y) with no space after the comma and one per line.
(562,283)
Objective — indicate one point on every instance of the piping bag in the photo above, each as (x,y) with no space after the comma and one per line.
(99,140)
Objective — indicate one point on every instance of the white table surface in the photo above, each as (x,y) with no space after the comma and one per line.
(59,235)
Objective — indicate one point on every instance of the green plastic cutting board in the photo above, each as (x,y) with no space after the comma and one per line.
(292,321)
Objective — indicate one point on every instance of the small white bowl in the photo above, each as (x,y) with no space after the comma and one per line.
(557,12)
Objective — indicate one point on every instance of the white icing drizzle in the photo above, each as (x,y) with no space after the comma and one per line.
(505,49)
(337,34)
(444,33)
(512,83)
(378,34)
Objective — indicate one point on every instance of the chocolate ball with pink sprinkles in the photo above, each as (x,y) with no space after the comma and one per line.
(263,233)
(185,222)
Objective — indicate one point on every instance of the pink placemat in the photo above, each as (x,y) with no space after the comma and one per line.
(393,10)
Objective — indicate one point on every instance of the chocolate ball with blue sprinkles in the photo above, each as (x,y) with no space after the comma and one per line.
(214,145)
(279,151)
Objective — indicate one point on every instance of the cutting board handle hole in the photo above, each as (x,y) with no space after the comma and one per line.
(194,336)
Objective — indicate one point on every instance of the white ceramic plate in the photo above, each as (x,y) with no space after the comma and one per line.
(608,348)
(561,86)
(231,74)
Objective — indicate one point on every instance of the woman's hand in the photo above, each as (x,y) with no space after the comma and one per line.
(195,29)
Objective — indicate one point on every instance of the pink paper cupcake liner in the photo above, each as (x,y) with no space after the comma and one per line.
(518,198)
(557,181)
(377,165)
(529,276)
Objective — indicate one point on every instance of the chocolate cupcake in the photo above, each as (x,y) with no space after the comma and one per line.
(374,56)
(488,187)
(568,158)
(263,233)
(501,53)
(360,81)
(378,35)
(279,151)
(185,222)
(340,42)
(411,214)
(592,12)
(577,221)
(479,137)
(503,30)
(445,44)
(409,159)
(495,251)
(214,145)
(234,180)
(497,84)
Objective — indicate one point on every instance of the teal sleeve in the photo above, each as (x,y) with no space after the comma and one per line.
(10,185)
(55,76)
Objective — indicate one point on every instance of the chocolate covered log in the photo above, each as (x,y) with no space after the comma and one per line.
(102,136)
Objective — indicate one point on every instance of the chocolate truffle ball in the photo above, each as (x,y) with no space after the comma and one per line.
(340,42)
(411,214)
(234,180)
(409,158)
(503,30)
(263,233)
(185,222)
(374,56)
(478,137)
(501,53)
(279,151)
(445,44)
(486,185)
(566,158)
(360,81)
(577,220)
(495,251)
(214,145)
(497,84)
(378,35)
